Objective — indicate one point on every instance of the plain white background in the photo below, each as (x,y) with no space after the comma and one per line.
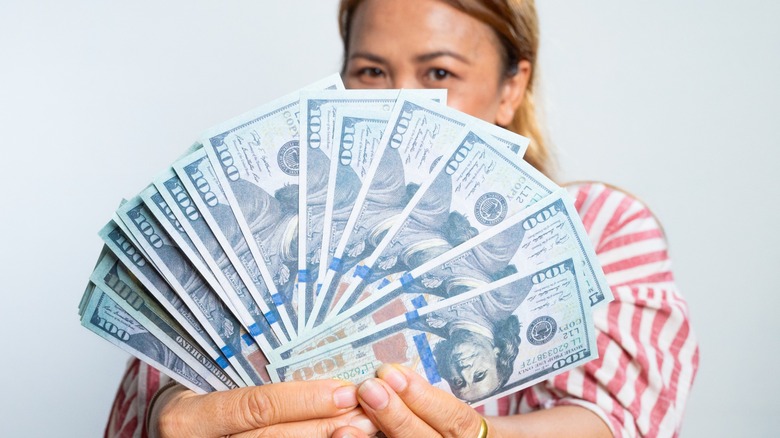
(675,101)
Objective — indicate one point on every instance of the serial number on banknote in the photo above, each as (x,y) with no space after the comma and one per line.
(553,353)
(358,371)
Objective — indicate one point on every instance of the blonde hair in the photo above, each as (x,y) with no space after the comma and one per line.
(517,27)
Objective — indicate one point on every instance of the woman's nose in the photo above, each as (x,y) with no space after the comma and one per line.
(406,80)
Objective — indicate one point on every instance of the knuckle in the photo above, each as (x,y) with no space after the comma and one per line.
(416,394)
(258,409)
(464,423)
(324,427)
(307,402)
(422,394)
(401,425)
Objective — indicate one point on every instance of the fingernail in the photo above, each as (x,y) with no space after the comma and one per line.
(363,423)
(393,376)
(345,397)
(374,394)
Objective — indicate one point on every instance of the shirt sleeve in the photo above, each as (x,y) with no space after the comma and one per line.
(128,413)
(648,354)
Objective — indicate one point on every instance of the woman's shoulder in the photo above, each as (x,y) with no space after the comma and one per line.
(604,207)
(626,236)
(590,193)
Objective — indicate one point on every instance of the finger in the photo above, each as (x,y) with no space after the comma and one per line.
(444,412)
(230,412)
(386,409)
(350,432)
(354,421)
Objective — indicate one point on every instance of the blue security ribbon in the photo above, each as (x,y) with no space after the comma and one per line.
(255,330)
(227,351)
(271,317)
(335,264)
(419,302)
(383,283)
(407,280)
(247,339)
(278,299)
(426,357)
(303,276)
(411,316)
(362,271)
(221,362)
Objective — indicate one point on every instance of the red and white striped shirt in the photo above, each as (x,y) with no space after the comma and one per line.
(648,354)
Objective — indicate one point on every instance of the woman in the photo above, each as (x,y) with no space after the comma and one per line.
(484,53)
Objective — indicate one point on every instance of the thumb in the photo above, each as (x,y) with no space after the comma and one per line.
(439,409)
(238,410)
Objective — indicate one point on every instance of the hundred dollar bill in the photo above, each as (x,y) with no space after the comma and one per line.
(477,187)
(220,262)
(358,135)
(319,112)
(114,280)
(200,181)
(418,135)
(256,159)
(104,317)
(118,222)
(483,344)
(133,258)
(547,230)
(238,346)
(162,212)
(85,297)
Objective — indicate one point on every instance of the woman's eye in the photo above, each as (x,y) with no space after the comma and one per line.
(459,383)
(479,376)
(371,72)
(438,74)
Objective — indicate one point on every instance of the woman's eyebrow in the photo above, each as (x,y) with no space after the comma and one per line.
(440,53)
(368,56)
(425,57)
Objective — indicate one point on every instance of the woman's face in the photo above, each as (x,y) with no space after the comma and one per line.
(471,369)
(429,44)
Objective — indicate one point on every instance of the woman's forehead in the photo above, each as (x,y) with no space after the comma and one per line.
(418,27)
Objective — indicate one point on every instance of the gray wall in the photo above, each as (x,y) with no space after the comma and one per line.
(675,101)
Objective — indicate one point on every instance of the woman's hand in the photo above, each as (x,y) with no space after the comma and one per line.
(294,409)
(404,405)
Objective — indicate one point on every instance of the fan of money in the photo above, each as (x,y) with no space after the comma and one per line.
(330,231)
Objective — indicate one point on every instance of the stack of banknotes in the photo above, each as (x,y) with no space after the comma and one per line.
(332,230)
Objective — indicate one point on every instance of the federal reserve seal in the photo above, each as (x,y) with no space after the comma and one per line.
(490,208)
(541,330)
(289,158)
